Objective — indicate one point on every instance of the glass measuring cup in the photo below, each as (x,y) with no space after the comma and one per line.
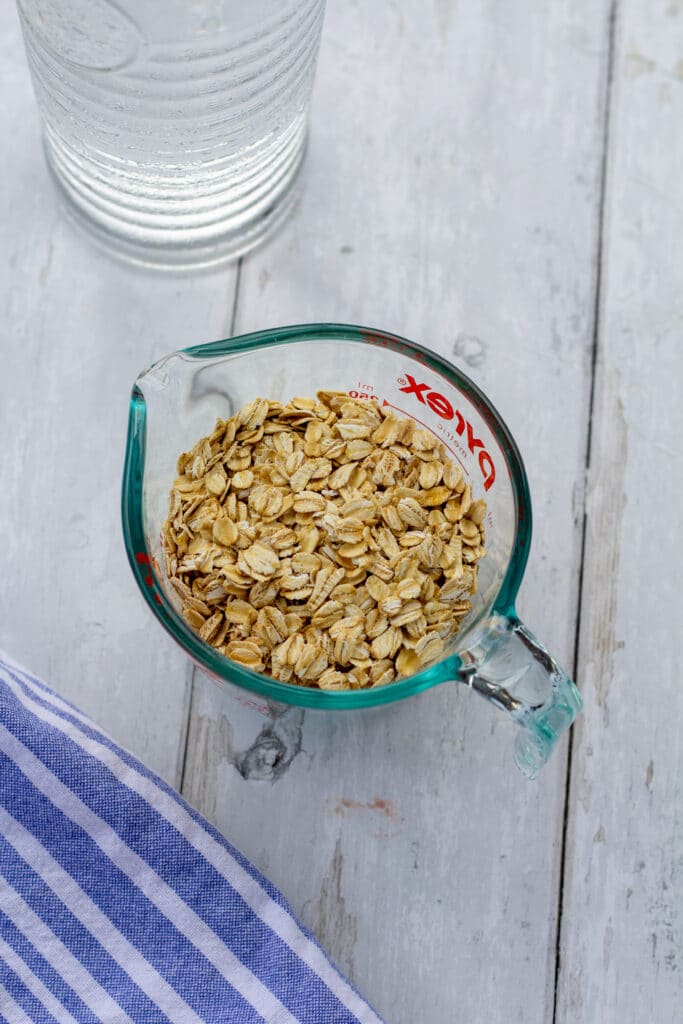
(178,400)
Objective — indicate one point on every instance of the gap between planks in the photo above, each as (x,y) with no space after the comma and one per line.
(595,346)
(185,741)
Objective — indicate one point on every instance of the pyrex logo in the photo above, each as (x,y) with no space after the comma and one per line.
(439,404)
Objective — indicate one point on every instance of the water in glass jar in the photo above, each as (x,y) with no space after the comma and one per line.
(175,130)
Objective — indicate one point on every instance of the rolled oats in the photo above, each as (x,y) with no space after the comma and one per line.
(326,542)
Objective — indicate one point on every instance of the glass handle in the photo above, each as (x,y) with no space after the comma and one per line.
(511,668)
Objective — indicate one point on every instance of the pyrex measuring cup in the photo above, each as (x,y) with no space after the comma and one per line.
(178,400)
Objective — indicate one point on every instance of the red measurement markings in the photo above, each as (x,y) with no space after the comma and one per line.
(362,394)
(142,559)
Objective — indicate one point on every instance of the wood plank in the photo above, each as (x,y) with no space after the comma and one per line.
(622,934)
(452,195)
(77,328)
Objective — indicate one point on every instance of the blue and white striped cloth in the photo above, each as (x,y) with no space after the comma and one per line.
(119,903)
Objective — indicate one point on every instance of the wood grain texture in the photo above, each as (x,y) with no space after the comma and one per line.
(622,934)
(77,329)
(452,195)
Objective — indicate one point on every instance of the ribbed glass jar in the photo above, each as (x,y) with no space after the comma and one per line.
(174,130)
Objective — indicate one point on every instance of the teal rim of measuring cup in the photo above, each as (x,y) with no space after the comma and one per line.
(216,664)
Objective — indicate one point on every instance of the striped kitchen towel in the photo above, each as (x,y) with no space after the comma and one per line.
(119,903)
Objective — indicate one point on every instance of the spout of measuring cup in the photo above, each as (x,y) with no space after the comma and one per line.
(513,670)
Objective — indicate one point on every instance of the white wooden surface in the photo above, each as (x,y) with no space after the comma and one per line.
(455,192)
(624,874)
(76,330)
